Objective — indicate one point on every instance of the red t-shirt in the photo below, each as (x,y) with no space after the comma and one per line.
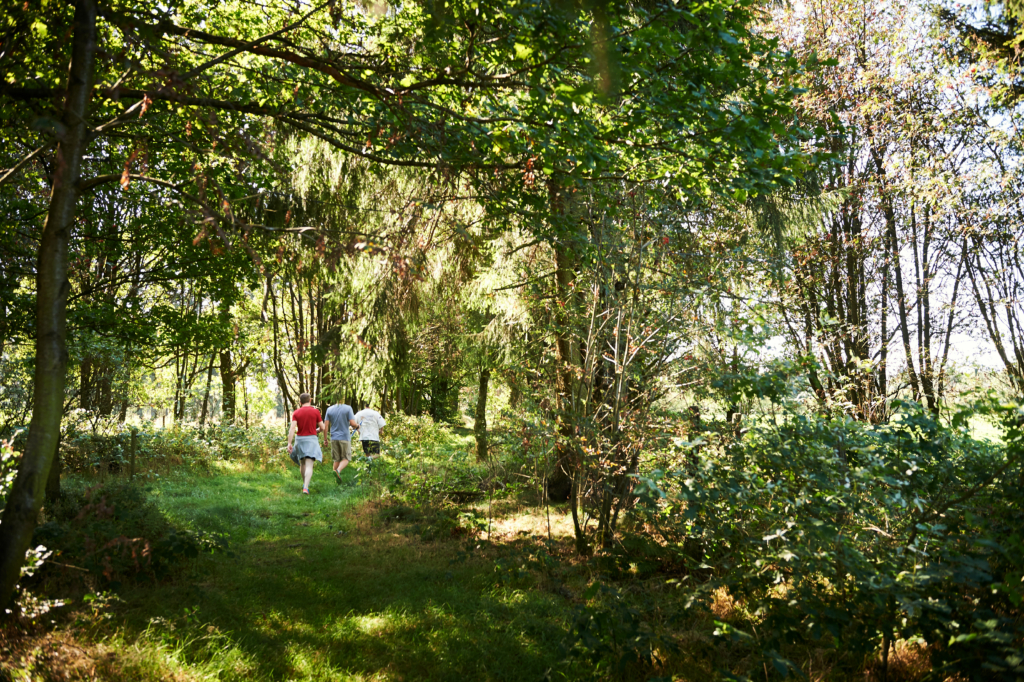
(308,417)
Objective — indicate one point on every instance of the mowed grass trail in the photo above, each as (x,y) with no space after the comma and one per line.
(318,588)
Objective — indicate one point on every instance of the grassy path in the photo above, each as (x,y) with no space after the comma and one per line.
(320,589)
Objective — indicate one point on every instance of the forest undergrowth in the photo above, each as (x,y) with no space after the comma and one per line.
(825,549)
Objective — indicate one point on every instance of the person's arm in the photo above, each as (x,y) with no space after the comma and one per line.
(322,428)
(291,435)
(327,430)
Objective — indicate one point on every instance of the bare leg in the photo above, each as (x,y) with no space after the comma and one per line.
(340,466)
(307,471)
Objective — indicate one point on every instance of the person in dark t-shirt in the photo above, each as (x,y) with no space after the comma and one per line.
(303,442)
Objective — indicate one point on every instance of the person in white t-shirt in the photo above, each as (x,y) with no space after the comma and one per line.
(369,422)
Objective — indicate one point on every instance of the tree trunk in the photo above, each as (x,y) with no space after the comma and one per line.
(950,320)
(883,351)
(52,288)
(560,482)
(206,393)
(53,480)
(227,380)
(480,426)
(901,299)
(85,384)
(444,397)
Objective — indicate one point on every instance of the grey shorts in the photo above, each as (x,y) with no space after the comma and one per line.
(341,449)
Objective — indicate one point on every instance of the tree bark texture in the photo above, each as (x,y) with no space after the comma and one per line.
(52,289)
(53,479)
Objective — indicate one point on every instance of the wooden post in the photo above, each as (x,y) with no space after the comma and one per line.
(135,441)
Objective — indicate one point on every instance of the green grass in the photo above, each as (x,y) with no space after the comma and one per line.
(320,589)
(982,428)
(338,586)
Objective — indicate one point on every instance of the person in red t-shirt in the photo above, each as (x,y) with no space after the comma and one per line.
(303,442)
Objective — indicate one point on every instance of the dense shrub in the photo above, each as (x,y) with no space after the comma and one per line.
(113,533)
(838,534)
(107,447)
(429,463)
(419,437)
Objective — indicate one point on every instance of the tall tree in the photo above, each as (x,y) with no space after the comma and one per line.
(26,494)
(692,94)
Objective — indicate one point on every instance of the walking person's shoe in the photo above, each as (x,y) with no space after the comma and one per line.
(305,491)
(337,477)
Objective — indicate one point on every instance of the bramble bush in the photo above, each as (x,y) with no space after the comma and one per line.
(838,534)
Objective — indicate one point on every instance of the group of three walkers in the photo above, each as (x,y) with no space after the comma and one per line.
(304,443)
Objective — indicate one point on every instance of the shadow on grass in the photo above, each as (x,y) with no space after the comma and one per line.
(318,589)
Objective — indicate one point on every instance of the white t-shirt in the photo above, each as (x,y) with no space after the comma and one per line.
(370,423)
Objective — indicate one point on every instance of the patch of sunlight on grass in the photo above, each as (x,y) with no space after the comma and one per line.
(509,597)
(982,428)
(372,625)
(510,523)
(154,654)
(230,466)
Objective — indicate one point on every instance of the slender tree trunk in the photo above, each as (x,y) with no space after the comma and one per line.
(560,482)
(901,300)
(206,393)
(85,383)
(105,400)
(52,288)
(227,380)
(987,307)
(925,307)
(949,322)
(883,352)
(282,380)
(480,426)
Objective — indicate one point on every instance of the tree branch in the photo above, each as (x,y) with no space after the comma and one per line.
(21,164)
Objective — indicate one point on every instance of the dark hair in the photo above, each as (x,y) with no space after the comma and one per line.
(304,399)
